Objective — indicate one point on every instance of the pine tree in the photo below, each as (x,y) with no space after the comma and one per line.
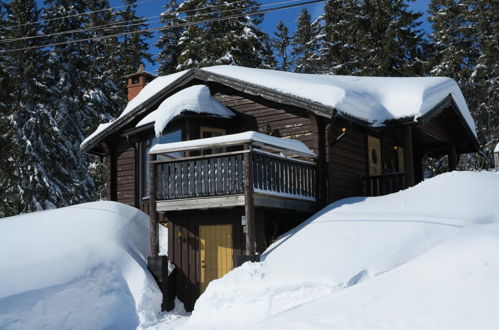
(465,48)
(193,41)
(168,43)
(236,40)
(81,92)
(484,84)
(337,38)
(370,38)
(303,45)
(281,44)
(36,159)
(133,48)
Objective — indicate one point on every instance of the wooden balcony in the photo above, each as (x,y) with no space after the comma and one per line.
(273,179)
(384,184)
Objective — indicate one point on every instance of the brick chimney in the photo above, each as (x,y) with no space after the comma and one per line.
(136,81)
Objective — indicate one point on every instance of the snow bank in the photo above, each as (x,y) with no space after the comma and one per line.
(415,259)
(77,267)
(194,99)
(372,99)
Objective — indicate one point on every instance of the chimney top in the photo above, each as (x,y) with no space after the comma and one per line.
(136,81)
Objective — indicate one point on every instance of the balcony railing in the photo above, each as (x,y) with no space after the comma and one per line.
(384,184)
(210,176)
(222,174)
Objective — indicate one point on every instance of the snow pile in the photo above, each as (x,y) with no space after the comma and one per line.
(422,258)
(77,267)
(194,99)
(372,99)
(291,145)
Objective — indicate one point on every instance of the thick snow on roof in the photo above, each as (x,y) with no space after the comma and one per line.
(194,99)
(371,99)
(151,89)
(293,146)
(78,267)
(422,258)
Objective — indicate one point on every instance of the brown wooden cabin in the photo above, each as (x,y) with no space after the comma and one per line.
(216,227)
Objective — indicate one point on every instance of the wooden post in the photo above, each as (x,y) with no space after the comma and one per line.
(154,238)
(408,157)
(418,167)
(249,205)
(453,158)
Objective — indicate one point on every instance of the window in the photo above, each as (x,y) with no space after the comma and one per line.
(174,135)
(207,132)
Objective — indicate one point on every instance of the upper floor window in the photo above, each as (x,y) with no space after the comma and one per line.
(207,132)
(173,135)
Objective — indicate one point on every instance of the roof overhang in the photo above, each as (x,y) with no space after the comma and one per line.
(268,94)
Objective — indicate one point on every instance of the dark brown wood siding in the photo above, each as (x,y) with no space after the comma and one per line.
(125,177)
(269,117)
(349,164)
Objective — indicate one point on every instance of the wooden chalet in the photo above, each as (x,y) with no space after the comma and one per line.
(227,186)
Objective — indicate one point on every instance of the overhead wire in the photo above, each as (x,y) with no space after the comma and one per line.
(75,15)
(140,21)
(186,24)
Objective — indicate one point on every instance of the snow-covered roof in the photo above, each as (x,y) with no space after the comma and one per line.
(289,146)
(194,99)
(371,99)
(374,100)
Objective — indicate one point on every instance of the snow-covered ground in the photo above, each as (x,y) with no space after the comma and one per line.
(423,258)
(79,267)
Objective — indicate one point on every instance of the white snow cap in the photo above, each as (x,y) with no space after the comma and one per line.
(195,99)
(250,136)
(371,99)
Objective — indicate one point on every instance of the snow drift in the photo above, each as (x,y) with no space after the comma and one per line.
(79,267)
(196,99)
(425,258)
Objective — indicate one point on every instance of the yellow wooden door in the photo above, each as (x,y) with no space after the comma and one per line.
(215,252)
(374,155)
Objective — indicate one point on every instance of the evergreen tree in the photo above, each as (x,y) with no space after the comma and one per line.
(81,91)
(303,45)
(280,44)
(36,159)
(193,42)
(169,54)
(484,84)
(370,38)
(133,48)
(236,40)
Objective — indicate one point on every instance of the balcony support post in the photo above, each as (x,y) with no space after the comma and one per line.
(249,205)
(408,156)
(154,236)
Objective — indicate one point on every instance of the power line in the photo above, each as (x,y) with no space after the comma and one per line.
(140,21)
(121,24)
(74,15)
